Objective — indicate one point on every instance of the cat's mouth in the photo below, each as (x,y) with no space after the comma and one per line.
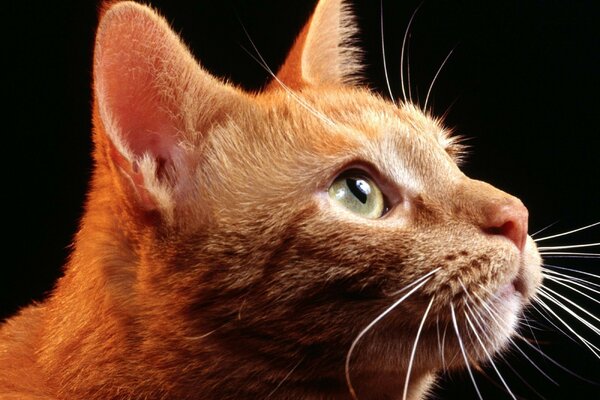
(527,278)
(516,287)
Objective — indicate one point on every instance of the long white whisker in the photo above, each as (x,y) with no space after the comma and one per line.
(573,246)
(574,315)
(489,357)
(435,78)
(585,342)
(573,270)
(424,279)
(547,289)
(462,349)
(543,313)
(573,279)
(527,322)
(556,363)
(397,292)
(479,320)
(561,281)
(563,254)
(547,357)
(414,349)
(495,316)
(569,232)
(408,80)
(385,69)
(403,51)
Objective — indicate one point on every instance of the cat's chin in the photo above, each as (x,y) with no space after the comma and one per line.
(499,314)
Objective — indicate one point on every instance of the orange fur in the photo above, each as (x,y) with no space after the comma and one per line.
(210,262)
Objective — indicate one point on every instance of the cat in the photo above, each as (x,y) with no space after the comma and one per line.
(238,245)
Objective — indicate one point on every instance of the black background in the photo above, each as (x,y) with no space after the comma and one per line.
(522,84)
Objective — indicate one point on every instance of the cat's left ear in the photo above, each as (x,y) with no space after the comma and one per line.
(324,53)
(155,106)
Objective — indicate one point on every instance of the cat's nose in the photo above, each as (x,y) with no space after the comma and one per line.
(492,210)
(508,218)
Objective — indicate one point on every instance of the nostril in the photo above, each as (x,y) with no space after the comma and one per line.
(509,221)
(509,230)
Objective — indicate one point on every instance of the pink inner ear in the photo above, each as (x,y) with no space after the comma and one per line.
(145,125)
(134,56)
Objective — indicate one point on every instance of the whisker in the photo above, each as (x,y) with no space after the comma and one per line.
(573,246)
(489,357)
(403,51)
(439,341)
(545,290)
(385,69)
(261,61)
(569,232)
(494,314)
(414,349)
(531,328)
(543,314)
(530,325)
(570,278)
(585,342)
(556,363)
(556,254)
(573,270)
(547,357)
(397,292)
(561,282)
(408,80)
(285,378)
(434,79)
(553,361)
(543,229)
(462,349)
(423,280)
(444,364)
(506,361)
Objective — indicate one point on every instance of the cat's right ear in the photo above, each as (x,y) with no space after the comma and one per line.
(155,104)
(324,52)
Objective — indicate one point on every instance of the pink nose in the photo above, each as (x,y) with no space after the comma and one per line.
(508,219)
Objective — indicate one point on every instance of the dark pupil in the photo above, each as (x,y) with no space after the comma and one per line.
(359,188)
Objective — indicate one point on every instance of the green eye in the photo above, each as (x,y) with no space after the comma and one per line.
(358,194)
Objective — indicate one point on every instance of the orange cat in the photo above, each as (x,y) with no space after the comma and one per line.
(305,242)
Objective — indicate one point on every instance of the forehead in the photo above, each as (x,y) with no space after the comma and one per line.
(354,125)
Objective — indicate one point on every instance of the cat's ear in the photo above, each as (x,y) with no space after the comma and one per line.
(324,53)
(155,103)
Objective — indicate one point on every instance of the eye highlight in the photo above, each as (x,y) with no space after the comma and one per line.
(358,193)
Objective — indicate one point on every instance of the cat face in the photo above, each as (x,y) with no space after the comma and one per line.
(296,264)
(278,226)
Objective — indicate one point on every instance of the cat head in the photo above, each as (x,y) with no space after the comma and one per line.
(286,221)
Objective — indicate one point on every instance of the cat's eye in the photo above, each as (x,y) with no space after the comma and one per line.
(358,193)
